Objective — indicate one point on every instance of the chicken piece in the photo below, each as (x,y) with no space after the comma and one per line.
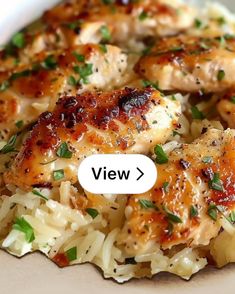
(122,121)
(29,91)
(226,108)
(193,189)
(125,19)
(190,64)
(81,22)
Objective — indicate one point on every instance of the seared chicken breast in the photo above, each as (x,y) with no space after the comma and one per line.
(28,91)
(124,19)
(195,187)
(122,121)
(78,22)
(190,64)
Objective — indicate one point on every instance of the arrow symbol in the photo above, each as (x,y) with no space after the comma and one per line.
(141,174)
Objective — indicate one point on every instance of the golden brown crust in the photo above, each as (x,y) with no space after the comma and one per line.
(185,182)
(110,122)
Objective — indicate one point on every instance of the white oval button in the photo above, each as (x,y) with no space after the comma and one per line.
(117,174)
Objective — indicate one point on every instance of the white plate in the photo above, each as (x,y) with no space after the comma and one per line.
(34,274)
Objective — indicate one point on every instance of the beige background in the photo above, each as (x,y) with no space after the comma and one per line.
(35,274)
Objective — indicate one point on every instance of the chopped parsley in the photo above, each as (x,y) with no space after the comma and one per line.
(216,183)
(197,23)
(4,85)
(161,156)
(74,25)
(84,72)
(221,21)
(196,113)
(231,217)
(18,40)
(165,187)
(107,2)
(171,216)
(19,124)
(92,212)
(72,81)
(232,99)
(23,226)
(49,63)
(71,254)
(150,84)
(10,146)
(193,211)
(103,48)
(175,133)
(79,57)
(143,15)
(212,211)
(106,35)
(146,204)
(37,193)
(63,151)
(220,75)
(207,159)
(58,174)
(21,74)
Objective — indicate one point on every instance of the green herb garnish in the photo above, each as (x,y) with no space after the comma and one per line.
(161,156)
(196,113)
(10,146)
(103,48)
(63,151)
(23,226)
(79,57)
(165,187)
(18,40)
(145,203)
(193,211)
(150,84)
(220,75)
(231,217)
(72,81)
(232,99)
(58,174)
(37,193)
(49,63)
(197,23)
(92,212)
(106,35)
(171,216)
(212,211)
(4,85)
(207,159)
(71,254)
(19,124)
(143,15)
(84,72)
(216,183)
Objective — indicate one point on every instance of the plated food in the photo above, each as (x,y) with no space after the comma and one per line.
(121,77)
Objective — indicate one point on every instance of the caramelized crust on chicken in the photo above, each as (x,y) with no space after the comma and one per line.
(122,121)
(31,90)
(125,19)
(79,22)
(193,189)
(190,64)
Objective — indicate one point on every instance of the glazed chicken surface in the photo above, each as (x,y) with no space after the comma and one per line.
(121,121)
(194,187)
